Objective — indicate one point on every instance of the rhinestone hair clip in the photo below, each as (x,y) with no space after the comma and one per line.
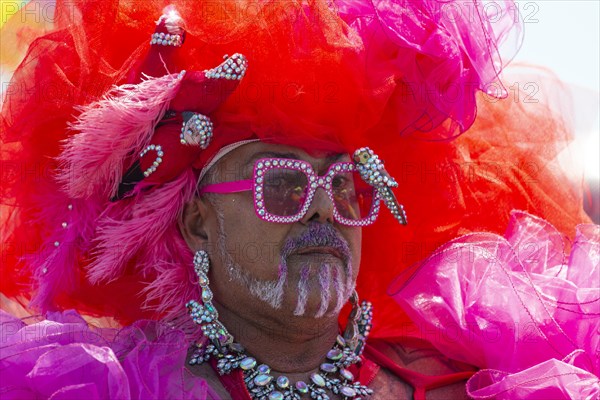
(372,171)
(166,39)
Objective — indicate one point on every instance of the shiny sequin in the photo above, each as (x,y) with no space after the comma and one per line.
(196,129)
(347,391)
(283,382)
(247,363)
(317,379)
(347,375)
(263,380)
(275,396)
(302,387)
(329,368)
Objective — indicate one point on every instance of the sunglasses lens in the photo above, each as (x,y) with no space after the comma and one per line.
(353,197)
(284,191)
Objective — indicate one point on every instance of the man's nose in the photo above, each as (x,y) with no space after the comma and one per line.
(320,210)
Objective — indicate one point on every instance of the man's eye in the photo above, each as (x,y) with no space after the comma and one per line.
(282,182)
(340,182)
(274,182)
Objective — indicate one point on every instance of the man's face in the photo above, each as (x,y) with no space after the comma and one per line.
(307,268)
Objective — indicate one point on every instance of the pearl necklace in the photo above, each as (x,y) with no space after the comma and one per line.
(333,375)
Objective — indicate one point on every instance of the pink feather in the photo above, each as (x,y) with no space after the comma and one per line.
(110,131)
(174,285)
(133,228)
(71,229)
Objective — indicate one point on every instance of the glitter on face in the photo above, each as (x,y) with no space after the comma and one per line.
(329,280)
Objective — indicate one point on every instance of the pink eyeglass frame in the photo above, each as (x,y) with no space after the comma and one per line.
(315,181)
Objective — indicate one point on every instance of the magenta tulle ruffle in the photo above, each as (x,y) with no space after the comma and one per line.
(516,307)
(456,47)
(64,358)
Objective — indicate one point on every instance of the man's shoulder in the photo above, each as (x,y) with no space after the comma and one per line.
(206,372)
(408,362)
(418,355)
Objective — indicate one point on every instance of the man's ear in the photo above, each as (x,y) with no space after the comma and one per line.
(193,224)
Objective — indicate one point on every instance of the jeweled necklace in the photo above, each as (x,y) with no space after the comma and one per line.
(333,374)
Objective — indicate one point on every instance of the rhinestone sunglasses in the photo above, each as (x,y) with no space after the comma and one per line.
(284,190)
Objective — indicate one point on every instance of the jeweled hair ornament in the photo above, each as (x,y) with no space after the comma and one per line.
(186,128)
(372,171)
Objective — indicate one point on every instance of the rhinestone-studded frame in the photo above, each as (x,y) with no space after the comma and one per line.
(263,165)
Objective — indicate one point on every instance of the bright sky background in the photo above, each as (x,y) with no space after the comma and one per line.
(564,35)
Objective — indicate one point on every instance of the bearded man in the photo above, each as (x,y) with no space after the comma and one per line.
(219,192)
(283,301)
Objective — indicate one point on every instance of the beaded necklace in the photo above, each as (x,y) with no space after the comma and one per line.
(333,374)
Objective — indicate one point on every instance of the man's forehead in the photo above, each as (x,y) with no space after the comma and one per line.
(249,153)
(240,162)
(324,158)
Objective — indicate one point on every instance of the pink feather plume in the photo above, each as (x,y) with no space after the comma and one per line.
(133,228)
(111,130)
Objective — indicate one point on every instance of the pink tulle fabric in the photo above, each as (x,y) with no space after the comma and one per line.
(63,357)
(516,307)
(458,45)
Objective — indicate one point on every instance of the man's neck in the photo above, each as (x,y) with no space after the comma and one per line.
(290,345)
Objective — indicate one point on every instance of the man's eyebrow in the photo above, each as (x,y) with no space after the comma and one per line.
(272,154)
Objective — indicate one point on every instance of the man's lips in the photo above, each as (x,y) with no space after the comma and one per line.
(320,250)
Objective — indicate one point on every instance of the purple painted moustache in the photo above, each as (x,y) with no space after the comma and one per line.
(318,235)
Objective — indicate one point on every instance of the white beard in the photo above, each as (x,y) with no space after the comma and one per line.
(272,291)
